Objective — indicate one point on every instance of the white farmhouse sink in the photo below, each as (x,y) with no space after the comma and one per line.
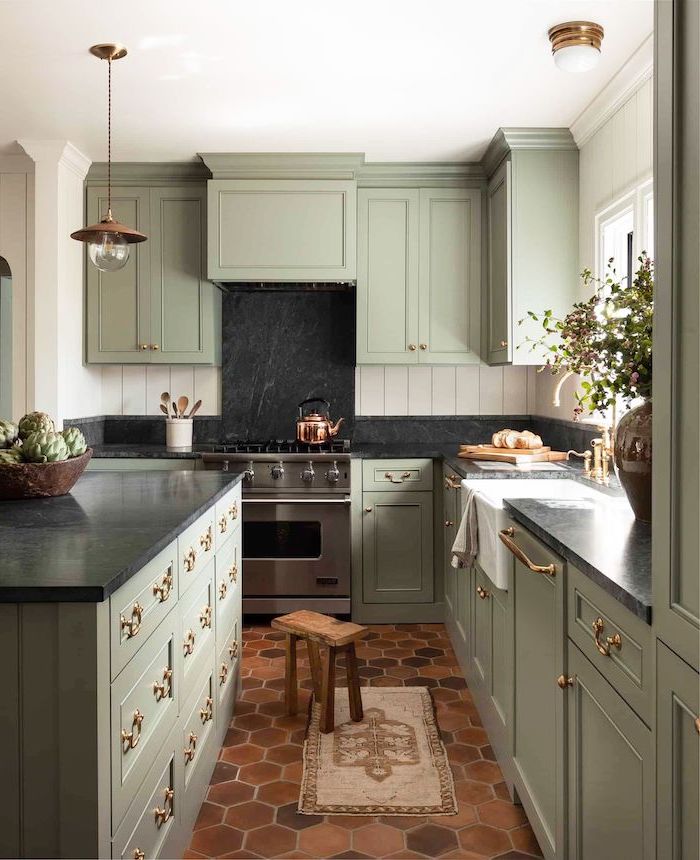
(493,557)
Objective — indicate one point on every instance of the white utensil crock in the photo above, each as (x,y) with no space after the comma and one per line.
(178,432)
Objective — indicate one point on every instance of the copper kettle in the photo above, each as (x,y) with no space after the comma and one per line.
(316,428)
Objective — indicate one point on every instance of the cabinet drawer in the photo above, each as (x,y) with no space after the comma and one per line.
(227,514)
(196,724)
(154,812)
(226,668)
(144,705)
(138,607)
(228,586)
(195,548)
(197,631)
(596,623)
(397,475)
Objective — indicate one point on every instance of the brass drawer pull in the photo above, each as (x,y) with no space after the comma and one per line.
(697,725)
(452,483)
(132,625)
(233,511)
(190,559)
(205,616)
(162,815)
(223,674)
(138,854)
(233,573)
(206,540)
(614,641)
(162,591)
(188,644)
(131,739)
(223,524)
(223,588)
(565,682)
(506,536)
(161,689)
(190,750)
(394,480)
(504,344)
(207,712)
(233,649)
(482,592)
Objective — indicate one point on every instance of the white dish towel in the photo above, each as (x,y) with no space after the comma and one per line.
(466,542)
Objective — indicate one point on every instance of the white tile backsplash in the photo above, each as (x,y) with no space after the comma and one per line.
(135,389)
(395,390)
(444,397)
(420,390)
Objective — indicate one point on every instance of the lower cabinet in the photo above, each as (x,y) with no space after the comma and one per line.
(678,757)
(457,584)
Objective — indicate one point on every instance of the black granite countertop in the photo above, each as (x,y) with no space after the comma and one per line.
(142,451)
(601,538)
(82,547)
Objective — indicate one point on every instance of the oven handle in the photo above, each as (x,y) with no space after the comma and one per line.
(277,501)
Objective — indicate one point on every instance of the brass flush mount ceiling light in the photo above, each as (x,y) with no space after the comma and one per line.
(108,242)
(576,45)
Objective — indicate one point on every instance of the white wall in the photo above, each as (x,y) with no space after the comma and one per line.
(132,389)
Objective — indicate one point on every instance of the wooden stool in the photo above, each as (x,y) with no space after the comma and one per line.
(336,635)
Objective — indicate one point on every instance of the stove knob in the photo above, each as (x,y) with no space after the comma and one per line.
(224,466)
(333,474)
(277,471)
(308,474)
(249,473)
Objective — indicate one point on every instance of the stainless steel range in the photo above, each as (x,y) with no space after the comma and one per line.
(296,523)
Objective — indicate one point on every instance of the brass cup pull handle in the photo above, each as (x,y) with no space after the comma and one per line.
(223,674)
(206,540)
(190,559)
(207,712)
(188,644)
(223,588)
(190,749)
(233,650)
(131,626)
(563,681)
(162,815)
(394,480)
(506,536)
(161,689)
(138,854)
(223,524)
(131,739)
(233,511)
(162,591)
(614,641)
(205,616)
(233,573)
(482,592)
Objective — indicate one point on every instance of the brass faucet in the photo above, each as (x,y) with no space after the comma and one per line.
(586,456)
(596,464)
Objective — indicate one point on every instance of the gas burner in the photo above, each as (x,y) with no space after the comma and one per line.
(282,446)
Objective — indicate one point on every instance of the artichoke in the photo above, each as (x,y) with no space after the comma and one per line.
(8,433)
(10,455)
(45,448)
(35,422)
(75,441)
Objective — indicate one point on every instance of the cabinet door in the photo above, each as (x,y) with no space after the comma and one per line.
(118,303)
(397,547)
(677,744)
(480,651)
(611,771)
(387,276)
(450,276)
(499,305)
(185,308)
(449,513)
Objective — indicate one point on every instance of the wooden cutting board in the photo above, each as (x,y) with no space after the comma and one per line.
(510,455)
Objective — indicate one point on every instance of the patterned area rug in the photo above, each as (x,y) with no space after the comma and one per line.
(391,763)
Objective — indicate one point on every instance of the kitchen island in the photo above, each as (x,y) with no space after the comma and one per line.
(121,636)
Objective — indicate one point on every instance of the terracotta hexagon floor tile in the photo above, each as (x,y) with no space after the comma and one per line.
(405,854)
(500,789)
(278,793)
(262,694)
(473,792)
(209,814)
(293,772)
(403,822)
(350,822)
(260,773)
(248,816)
(451,720)
(435,671)
(351,855)
(271,737)
(525,840)
(228,793)
(472,735)
(513,855)
(465,815)
(284,754)
(251,722)
(378,840)
(243,754)
(235,736)
(324,840)
(442,694)
(270,841)
(462,753)
(223,772)
(500,813)
(289,816)
(272,709)
(485,840)
(217,840)
(385,681)
(484,771)
(417,681)
(431,840)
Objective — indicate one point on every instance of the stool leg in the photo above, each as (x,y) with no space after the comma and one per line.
(290,674)
(315,666)
(328,693)
(353,683)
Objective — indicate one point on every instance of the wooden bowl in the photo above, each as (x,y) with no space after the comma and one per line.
(41,480)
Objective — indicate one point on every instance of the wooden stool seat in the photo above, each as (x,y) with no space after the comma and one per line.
(317,629)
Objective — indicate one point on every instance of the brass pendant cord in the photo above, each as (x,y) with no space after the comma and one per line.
(109,138)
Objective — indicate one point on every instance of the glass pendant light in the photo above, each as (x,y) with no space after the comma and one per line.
(108,242)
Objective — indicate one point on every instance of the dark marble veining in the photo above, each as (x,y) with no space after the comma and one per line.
(603,540)
(83,546)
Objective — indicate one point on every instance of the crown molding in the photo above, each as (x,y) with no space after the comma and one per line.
(59,152)
(283,165)
(149,172)
(16,164)
(638,69)
(507,140)
(397,174)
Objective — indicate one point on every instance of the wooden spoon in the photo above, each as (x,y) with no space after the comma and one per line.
(164,409)
(165,400)
(174,405)
(195,408)
(182,404)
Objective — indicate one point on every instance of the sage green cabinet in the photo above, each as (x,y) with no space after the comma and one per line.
(159,308)
(457,580)
(677,756)
(281,230)
(419,276)
(611,771)
(397,547)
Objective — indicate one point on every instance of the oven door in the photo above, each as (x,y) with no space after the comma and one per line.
(296,546)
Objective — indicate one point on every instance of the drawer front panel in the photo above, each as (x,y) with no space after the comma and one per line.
(617,642)
(226,665)
(144,705)
(228,516)
(228,586)
(197,724)
(195,548)
(138,607)
(153,814)
(386,475)
(197,631)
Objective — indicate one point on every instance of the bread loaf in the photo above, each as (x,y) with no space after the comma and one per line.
(522,439)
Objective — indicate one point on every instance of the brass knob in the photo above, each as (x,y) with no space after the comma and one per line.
(614,641)
(132,625)
(368,510)
(205,616)
(482,592)
(207,712)
(162,591)
(162,815)
(412,347)
(188,644)
(504,344)
(424,346)
(155,347)
(190,749)
(563,681)
(143,347)
(448,524)
(161,690)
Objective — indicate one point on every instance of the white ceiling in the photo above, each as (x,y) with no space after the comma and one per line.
(398,79)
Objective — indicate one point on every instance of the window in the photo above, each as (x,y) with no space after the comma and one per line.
(625,229)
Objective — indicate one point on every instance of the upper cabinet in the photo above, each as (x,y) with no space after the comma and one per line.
(159,308)
(419,275)
(281,230)
(532,240)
